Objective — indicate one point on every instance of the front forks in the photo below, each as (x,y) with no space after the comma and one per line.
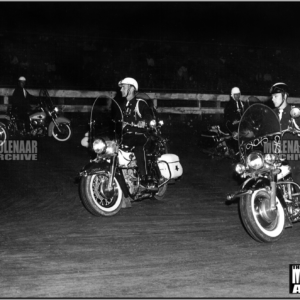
(273,195)
(112,173)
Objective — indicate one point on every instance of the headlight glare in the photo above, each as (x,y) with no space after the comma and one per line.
(99,146)
(255,160)
(152,123)
(240,169)
(111,147)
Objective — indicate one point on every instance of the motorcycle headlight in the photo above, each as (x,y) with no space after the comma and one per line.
(255,160)
(270,158)
(240,169)
(161,122)
(99,146)
(56,109)
(152,123)
(111,147)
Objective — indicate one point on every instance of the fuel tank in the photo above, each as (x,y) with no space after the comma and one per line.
(38,116)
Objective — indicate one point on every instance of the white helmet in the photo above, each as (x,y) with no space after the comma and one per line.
(129,80)
(22,78)
(235,90)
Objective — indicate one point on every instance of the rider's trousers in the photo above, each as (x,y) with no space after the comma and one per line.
(138,141)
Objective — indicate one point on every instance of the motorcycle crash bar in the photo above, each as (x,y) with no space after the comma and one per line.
(238,194)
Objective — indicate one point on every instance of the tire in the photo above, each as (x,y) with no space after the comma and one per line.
(3,135)
(161,193)
(262,227)
(163,189)
(91,193)
(65,133)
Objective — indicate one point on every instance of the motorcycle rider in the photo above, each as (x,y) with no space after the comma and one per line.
(280,94)
(137,114)
(20,103)
(234,110)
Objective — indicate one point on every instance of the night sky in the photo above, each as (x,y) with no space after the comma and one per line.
(257,23)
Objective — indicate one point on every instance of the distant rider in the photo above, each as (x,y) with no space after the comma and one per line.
(234,110)
(20,103)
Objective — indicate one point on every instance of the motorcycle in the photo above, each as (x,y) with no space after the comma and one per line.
(112,178)
(217,143)
(44,120)
(268,198)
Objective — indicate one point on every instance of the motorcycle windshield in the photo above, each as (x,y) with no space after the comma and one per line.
(106,120)
(46,101)
(259,129)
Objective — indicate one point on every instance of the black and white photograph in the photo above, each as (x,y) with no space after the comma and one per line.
(149,149)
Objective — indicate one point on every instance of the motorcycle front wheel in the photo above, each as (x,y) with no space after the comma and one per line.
(63,133)
(96,197)
(3,135)
(261,223)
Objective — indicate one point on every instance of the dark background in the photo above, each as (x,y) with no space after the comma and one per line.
(222,44)
(245,22)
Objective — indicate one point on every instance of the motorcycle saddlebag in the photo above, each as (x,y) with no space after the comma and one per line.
(170,166)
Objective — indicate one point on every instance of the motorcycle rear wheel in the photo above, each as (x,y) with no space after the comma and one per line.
(256,220)
(64,134)
(92,190)
(160,195)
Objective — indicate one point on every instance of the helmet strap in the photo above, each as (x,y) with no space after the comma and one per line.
(283,99)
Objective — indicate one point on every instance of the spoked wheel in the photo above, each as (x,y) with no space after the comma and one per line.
(3,135)
(263,224)
(62,133)
(97,198)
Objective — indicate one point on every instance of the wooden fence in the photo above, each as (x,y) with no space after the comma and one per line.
(205,103)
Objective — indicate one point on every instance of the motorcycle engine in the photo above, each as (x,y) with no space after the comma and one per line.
(38,127)
(131,179)
(37,123)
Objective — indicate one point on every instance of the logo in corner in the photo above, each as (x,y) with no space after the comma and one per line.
(294,279)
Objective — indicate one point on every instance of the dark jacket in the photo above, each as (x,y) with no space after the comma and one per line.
(18,100)
(234,111)
(294,163)
(136,110)
(284,122)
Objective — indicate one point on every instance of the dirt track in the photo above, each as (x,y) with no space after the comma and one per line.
(190,245)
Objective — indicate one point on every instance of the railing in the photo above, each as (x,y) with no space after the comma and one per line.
(204,103)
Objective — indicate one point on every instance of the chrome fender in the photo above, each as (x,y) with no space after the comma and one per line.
(264,183)
(98,167)
(58,120)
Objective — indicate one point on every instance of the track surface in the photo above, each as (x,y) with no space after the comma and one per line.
(190,245)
